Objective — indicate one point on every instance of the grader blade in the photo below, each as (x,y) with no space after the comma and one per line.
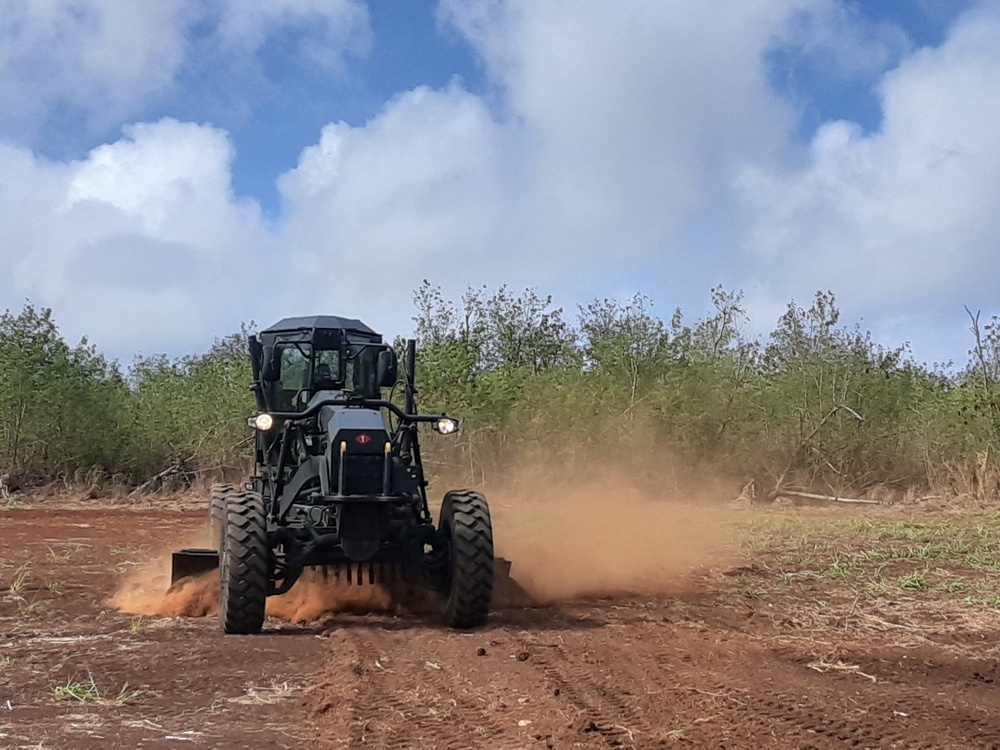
(507,592)
(186,563)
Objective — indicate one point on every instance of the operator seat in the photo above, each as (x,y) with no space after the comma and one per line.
(323,378)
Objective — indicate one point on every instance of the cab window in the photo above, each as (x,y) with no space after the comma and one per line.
(295,367)
(326,373)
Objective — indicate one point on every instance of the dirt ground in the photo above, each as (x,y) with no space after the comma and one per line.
(724,659)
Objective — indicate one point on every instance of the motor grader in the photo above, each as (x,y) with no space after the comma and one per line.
(338,483)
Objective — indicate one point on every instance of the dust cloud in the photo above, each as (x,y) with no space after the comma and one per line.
(147,591)
(571,529)
(312,599)
(594,529)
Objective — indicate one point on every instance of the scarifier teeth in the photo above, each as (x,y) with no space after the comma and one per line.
(356,574)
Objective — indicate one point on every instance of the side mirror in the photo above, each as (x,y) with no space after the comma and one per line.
(272,364)
(387,368)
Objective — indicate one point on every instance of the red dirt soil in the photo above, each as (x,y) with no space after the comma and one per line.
(695,666)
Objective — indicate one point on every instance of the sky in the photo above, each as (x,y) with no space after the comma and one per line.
(173,168)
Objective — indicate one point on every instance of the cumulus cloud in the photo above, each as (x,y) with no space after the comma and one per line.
(95,63)
(840,41)
(902,220)
(605,134)
(631,120)
(618,147)
(325,30)
(95,56)
(140,241)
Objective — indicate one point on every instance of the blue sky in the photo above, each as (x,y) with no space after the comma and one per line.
(164,164)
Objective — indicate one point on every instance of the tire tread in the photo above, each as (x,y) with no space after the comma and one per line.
(244,568)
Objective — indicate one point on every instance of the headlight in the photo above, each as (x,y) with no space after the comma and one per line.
(261,422)
(446,425)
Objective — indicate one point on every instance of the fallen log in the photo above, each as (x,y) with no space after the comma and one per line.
(151,482)
(830,498)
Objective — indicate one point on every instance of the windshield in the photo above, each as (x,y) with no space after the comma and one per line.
(295,367)
(306,370)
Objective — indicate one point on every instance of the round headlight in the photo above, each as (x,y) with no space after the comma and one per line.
(263,422)
(446,425)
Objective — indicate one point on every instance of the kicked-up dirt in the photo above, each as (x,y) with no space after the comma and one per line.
(729,653)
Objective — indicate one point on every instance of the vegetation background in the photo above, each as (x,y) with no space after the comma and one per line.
(813,404)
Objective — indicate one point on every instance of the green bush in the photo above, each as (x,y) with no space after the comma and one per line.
(813,403)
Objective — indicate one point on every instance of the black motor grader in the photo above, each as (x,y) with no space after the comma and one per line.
(339,483)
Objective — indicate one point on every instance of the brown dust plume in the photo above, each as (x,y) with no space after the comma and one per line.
(147,591)
(572,534)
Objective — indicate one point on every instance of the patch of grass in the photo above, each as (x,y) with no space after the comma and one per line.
(88,691)
(13,504)
(125,695)
(17,588)
(958,586)
(843,549)
(55,587)
(876,588)
(136,624)
(58,557)
(5,661)
(28,608)
(913,582)
(20,579)
(839,569)
(80,691)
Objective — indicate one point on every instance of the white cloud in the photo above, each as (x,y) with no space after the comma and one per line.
(841,41)
(139,242)
(99,62)
(93,56)
(631,120)
(608,134)
(619,146)
(902,220)
(325,29)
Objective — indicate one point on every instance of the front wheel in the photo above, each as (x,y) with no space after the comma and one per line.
(465,520)
(244,565)
(217,512)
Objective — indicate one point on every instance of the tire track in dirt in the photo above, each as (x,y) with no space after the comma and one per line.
(398,700)
(834,711)
(951,719)
(589,684)
(822,727)
(892,707)
(600,710)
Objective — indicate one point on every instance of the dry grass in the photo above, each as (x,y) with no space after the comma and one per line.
(913,580)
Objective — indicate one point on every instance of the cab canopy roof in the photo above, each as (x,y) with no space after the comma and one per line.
(312,322)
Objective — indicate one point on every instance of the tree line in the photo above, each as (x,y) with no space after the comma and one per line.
(814,403)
